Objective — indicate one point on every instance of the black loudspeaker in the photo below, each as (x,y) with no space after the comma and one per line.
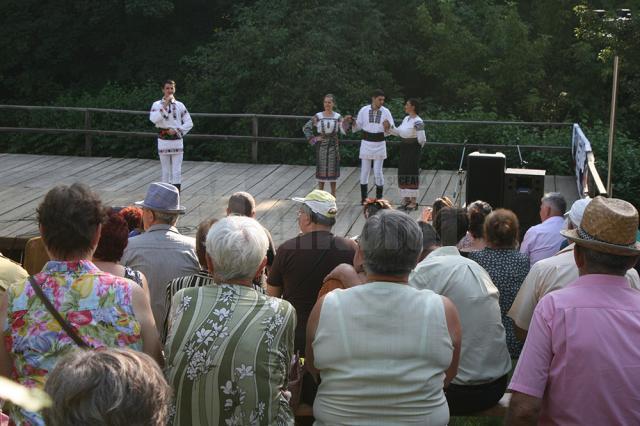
(523,190)
(485,178)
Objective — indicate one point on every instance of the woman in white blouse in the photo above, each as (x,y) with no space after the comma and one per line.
(413,138)
(327,124)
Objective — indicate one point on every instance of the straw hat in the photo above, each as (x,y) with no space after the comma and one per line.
(608,225)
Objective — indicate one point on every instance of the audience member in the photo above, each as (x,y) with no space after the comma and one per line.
(543,240)
(484,358)
(429,213)
(474,238)
(133,216)
(506,266)
(229,346)
(552,274)
(102,310)
(243,204)
(372,206)
(10,273)
(113,240)
(199,279)
(161,253)
(580,362)
(383,348)
(302,262)
(430,239)
(346,275)
(113,387)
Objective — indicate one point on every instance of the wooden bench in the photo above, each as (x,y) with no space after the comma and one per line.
(498,410)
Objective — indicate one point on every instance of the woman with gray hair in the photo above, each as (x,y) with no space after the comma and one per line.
(114,387)
(401,345)
(229,346)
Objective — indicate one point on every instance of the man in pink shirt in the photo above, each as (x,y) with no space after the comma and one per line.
(544,240)
(581,361)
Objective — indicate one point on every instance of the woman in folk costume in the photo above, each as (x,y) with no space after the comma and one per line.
(413,138)
(325,138)
(173,121)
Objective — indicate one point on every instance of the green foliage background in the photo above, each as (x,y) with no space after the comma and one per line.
(542,60)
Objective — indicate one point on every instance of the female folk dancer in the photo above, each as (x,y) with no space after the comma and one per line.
(327,123)
(413,138)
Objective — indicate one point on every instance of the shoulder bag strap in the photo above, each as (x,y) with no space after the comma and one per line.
(64,324)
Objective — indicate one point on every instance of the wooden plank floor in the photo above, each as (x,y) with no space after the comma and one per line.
(24,179)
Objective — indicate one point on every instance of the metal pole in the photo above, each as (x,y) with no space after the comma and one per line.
(254,143)
(612,124)
(88,145)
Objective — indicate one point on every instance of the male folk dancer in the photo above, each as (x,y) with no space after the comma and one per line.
(375,121)
(174,121)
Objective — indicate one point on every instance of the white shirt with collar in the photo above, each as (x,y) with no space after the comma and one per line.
(484,356)
(553,273)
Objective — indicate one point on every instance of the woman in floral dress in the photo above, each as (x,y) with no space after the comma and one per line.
(328,124)
(105,310)
(229,346)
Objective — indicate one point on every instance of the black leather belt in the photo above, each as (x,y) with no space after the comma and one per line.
(373,137)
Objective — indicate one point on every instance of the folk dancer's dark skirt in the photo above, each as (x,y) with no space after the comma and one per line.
(328,159)
(409,167)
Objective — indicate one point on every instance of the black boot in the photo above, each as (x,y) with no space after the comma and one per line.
(379,191)
(364,189)
(177,185)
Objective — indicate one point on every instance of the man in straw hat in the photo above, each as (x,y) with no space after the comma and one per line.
(552,274)
(161,253)
(581,361)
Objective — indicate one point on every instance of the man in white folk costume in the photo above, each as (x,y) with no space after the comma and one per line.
(173,121)
(375,121)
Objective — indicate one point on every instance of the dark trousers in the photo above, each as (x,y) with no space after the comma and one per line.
(464,400)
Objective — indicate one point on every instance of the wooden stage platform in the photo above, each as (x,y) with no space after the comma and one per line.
(24,179)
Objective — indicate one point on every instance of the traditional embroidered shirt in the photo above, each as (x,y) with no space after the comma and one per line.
(371,120)
(411,128)
(228,354)
(97,304)
(324,126)
(175,116)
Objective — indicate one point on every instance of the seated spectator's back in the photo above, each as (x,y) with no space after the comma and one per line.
(484,358)
(382,347)
(229,346)
(103,310)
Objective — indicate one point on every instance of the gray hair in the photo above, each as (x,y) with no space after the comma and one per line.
(108,387)
(391,242)
(166,218)
(318,218)
(556,201)
(237,245)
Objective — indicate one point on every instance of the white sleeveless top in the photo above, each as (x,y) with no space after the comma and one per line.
(382,350)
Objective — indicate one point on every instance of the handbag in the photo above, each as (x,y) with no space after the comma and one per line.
(294,386)
(71,332)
